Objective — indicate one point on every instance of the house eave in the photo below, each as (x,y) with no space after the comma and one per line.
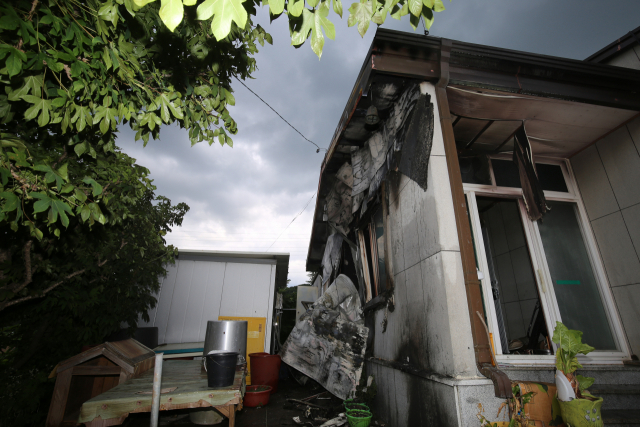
(414,56)
(612,49)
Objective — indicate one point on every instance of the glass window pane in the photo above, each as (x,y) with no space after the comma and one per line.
(506,173)
(574,283)
(551,178)
(474,169)
(379,230)
(517,305)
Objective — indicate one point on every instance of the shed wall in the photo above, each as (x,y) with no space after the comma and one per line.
(608,176)
(196,291)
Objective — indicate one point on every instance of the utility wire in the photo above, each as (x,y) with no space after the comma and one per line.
(285,120)
(294,218)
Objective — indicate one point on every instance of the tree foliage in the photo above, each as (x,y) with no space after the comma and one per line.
(72,72)
(306,19)
(94,279)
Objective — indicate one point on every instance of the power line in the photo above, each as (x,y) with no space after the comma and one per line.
(285,120)
(294,218)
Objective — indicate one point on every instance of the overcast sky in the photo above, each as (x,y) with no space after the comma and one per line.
(243,198)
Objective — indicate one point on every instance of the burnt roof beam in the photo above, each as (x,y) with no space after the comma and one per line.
(479,134)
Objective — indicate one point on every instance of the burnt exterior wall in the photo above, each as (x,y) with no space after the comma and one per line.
(426,324)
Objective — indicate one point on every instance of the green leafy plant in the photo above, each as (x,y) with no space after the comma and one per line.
(569,346)
(304,22)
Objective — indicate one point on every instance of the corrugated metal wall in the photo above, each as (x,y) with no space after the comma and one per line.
(198,290)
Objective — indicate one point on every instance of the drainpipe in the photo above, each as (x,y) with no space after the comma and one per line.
(481,345)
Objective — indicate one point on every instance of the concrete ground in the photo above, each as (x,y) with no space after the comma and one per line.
(278,412)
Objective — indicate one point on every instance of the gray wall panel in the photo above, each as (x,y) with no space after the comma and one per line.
(612,166)
(622,163)
(616,248)
(594,185)
(628,301)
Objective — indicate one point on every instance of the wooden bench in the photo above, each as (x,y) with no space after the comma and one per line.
(184,385)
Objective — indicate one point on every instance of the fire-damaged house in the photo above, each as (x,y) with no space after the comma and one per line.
(473,197)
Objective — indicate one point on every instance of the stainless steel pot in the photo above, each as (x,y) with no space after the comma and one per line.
(230,335)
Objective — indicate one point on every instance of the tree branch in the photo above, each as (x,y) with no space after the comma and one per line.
(55,285)
(16,287)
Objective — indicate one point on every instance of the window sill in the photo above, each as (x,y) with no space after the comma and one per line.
(375,304)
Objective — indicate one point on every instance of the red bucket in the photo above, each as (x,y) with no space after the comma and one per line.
(265,369)
(256,395)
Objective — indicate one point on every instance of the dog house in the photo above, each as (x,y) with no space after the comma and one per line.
(93,372)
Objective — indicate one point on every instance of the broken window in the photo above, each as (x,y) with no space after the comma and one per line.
(520,319)
(371,238)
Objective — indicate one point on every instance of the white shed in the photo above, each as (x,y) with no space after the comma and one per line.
(203,285)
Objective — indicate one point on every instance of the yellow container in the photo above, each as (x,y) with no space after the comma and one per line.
(256,327)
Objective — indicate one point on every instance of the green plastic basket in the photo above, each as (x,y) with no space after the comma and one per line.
(347,401)
(357,406)
(358,418)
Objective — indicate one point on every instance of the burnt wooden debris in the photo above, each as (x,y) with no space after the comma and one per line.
(328,349)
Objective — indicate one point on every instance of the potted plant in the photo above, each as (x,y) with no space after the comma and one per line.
(579,408)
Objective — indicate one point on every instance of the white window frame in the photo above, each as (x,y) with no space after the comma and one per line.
(541,269)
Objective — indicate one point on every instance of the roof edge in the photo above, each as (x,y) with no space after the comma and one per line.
(618,45)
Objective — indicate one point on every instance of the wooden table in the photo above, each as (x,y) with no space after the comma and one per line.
(184,385)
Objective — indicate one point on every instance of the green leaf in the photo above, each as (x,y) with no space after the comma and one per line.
(415,7)
(337,7)
(141,3)
(189,2)
(62,171)
(360,13)
(37,233)
(62,209)
(231,100)
(427,15)
(439,6)
(224,11)
(14,62)
(80,149)
(306,26)
(295,7)
(42,106)
(80,195)
(4,176)
(97,188)
(32,84)
(398,12)
(7,141)
(12,201)
(543,387)
(584,382)
(85,213)
(8,23)
(171,13)
(41,205)
(276,7)
(570,345)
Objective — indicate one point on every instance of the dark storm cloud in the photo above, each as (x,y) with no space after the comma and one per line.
(243,197)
